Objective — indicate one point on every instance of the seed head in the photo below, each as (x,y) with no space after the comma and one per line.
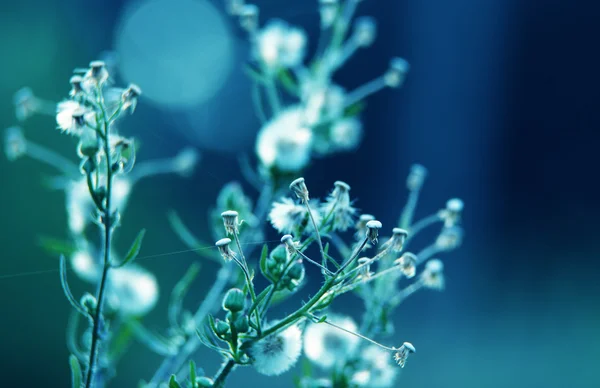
(277,353)
(130,97)
(396,242)
(298,187)
(230,221)
(416,177)
(224,249)
(396,73)
(373,227)
(450,238)
(408,264)
(452,213)
(401,355)
(433,275)
(97,72)
(15,144)
(365,31)
(76,82)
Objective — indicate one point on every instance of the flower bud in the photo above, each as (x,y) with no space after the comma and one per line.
(221,328)
(365,30)
(76,87)
(89,302)
(204,382)
(241,324)
(416,177)
(234,301)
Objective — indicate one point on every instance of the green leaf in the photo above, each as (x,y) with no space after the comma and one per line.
(173,382)
(288,82)
(189,239)
(264,256)
(355,109)
(56,246)
(193,373)
(67,291)
(75,371)
(134,250)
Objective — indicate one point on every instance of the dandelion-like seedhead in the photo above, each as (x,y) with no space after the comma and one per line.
(276,354)
(326,346)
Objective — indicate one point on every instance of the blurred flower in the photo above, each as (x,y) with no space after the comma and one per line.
(132,290)
(375,369)
(284,142)
(345,134)
(433,275)
(15,144)
(280,45)
(327,346)
(277,353)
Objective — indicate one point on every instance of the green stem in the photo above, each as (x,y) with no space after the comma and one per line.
(221,376)
(248,278)
(318,235)
(93,360)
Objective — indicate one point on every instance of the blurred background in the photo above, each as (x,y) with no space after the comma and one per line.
(500,105)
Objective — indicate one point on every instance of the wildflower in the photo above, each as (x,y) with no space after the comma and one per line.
(185,161)
(132,290)
(322,101)
(97,75)
(234,301)
(130,97)
(364,263)
(290,245)
(280,45)
(361,225)
(230,221)
(72,117)
(25,103)
(396,242)
(402,354)
(79,205)
(84,265)
(450,238)
(433,275)
(416,177)
(375,369)
(365,30)
(286,215)
(328,10)
(408,264)
(277,353)
(373,227)
(339,206)
(285,142)
(394,77)
(76,82)
(345,134)
(224,250)
(327,346)
(249,17)
(15,144)
(451,214)
(298,187)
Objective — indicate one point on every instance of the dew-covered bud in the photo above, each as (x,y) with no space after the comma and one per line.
(416,177)
(89,302)
(230,221)
(401,354)
(372,233)
(234,301)
(249,17)
(365,31)
(204,382)
(299,188)
(407,264)
(224,249)
(396,73)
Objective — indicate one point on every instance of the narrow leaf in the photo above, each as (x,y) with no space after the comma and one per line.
(193,373)
(173,382)
(75,372)
(263,263)
(134,250)
(189,239)
(65,287)
(56,246)
(179,292)
(155,342)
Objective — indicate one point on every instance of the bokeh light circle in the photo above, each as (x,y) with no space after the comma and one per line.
(179,52)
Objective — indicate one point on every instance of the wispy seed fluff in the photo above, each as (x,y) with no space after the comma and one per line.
(327,346)
(338,204)
(286,215)
(277,353)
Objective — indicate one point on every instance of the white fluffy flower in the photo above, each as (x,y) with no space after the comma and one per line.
(132,290)
(280,45)
(285,142)
(325,345)
(339,207)
(65,112)
(376,369)
(85,266)
(345,134)
(277,353)
(287,214)
(323,101)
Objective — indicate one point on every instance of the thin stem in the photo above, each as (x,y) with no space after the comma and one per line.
(409,210)
(153,167)
(378,275)
(392,349)
(236,237)
(364,91)
(96,335)
(318,235)
(422,224)
(221,376)
(427,252)
(51,158)
(405,293)
(315,263)
(272,95)
(370,261)
(354,256)
(258,104)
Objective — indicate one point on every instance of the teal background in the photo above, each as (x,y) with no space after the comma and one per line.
(500,105)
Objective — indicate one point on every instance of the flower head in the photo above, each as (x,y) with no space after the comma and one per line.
(338,204)
(433,275)
(72,117)
(230,221)
(286,215)
(224,249)
(277,353)
(346,134)
(280,45)
(401,355)
(376,370)
(327,346)
(133,290)
(284,143)
(15,144)
(408,264)
(25,102)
